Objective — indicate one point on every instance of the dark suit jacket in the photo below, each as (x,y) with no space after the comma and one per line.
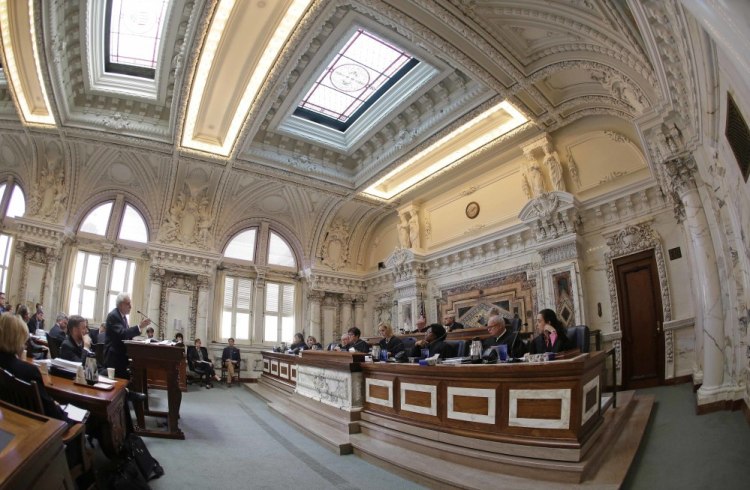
(539,346)
(115,355)
(232,353)
(393,346)
(360,346)
(508,339)
(57,333)
(435,347)
(29,372)
(455,326)
(70,351)
(33,324)
(198,366)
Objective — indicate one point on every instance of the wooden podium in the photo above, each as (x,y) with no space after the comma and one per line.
(167,359)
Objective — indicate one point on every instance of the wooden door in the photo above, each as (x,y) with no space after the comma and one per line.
(639,298)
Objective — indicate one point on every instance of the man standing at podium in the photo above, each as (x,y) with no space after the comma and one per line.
(118,330)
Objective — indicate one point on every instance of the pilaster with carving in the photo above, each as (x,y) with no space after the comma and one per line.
(314,299)
(181,283)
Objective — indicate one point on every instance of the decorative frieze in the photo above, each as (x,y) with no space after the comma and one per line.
(552,215)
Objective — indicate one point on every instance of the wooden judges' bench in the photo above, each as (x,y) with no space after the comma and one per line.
(531,420)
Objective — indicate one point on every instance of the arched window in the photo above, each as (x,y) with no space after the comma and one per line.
(99,277)
(273,319)
(12,205)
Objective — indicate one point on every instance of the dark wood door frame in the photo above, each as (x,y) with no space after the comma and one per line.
(641,320)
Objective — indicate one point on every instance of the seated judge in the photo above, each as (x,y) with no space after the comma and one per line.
(497,326)
(298,344)
(355,342)
(312,343)
(434,341)
(76,345)
(230,359)
(450,323)
(421,325)
(389,342)
(119,330)
(201,365)
(13,335)
(343,345)
(552,337)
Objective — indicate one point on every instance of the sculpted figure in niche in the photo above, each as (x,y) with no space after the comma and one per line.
(525,186)
(414,229)
(403,232)
(555,169)
(537,180)
(50,199)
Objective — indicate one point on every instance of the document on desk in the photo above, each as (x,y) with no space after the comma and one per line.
(75,414)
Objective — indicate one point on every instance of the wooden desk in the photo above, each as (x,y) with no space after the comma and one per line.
(107,407)
(166,358)
(280,367)
(31,451)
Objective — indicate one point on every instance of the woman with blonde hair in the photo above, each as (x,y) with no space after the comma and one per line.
(13,336)
(389,342)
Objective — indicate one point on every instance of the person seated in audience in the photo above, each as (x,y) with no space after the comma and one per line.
(97,335)
(3,307)
(77,345)
(178,339)
(298,344)
(230,359)
(312,343)
(60,329)
(450,323)
(36,322)
(421,325)
(497,326)
(344,344)
(150,333)
(389,342)
(434,341)
(355,342)
(552,337)
(13,335)
(34,349)
(201,364)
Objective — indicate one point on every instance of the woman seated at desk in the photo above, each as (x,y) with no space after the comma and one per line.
(433,341)
(298,344)
(13,334)
(312,343)
(389,342)
(552,337)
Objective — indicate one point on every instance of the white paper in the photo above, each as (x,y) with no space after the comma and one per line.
(75,413)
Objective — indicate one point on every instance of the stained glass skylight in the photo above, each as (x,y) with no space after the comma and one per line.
(360,73)
(134,29)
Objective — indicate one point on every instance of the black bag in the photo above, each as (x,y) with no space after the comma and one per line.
(127,476)
(135,449)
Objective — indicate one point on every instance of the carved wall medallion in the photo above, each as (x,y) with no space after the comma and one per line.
(472,210)
(335,251)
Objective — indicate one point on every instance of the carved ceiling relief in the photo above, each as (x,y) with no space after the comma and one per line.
(188,221)
(621,89)
(47,200)
(335,250)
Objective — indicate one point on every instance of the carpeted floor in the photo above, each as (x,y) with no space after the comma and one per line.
(234,441)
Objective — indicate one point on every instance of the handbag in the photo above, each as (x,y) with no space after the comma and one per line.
(134,449)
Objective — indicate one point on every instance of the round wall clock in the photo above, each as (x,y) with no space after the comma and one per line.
(472,210)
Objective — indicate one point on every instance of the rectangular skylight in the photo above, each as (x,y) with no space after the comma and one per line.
(362,71)
(134,30)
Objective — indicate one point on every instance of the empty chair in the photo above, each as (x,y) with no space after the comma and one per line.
(458,346)
(578,336)
(409,343)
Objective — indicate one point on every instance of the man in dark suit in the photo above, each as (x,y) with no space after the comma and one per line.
(60,329)
(497,326)
(75,347)
(451,324)
(118,330)
(36,322)
(230,359)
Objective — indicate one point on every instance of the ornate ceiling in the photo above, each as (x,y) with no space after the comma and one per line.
(556,61)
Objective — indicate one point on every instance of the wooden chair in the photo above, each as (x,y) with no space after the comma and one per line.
(225,372)
(54,347)
(25,395)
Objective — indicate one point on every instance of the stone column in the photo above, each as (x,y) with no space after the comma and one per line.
(359,313)
(201,316)
(154,303)
(313,300)
(346,312)
(681,172)
(259,307)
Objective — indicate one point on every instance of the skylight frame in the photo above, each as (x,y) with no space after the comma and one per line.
(397,64)
(135,70)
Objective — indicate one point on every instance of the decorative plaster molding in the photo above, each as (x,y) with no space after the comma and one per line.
(335,250)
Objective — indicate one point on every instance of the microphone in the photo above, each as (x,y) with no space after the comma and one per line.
(144,316)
